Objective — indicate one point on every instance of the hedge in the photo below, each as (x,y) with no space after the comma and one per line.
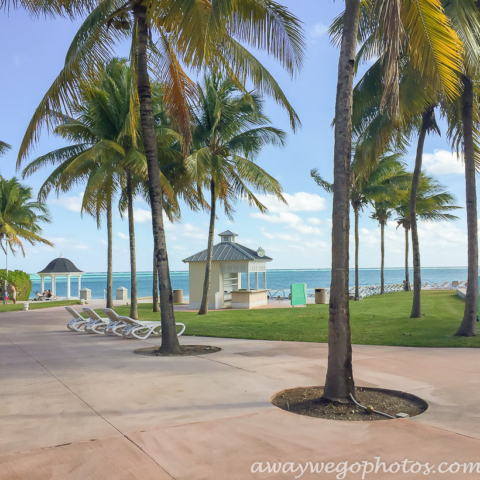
(20,279)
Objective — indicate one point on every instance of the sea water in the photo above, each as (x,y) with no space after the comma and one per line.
(276,279)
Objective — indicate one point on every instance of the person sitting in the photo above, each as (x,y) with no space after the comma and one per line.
(39,295)
(49,294)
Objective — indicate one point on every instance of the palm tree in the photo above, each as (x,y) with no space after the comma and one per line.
(229,131)
(182,29)
(409,38)
(376,182)
(339,383)
(3,148)
(432,204)
(105,131)
(20,218)
(433,47)
(464,119)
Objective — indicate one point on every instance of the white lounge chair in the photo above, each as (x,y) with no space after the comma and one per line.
(96,323)
(128,327)
(77,323)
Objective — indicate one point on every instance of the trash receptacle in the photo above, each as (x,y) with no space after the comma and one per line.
(178,296)
(320,295)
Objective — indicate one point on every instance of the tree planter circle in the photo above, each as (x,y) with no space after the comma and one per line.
(185,351)
(308,401)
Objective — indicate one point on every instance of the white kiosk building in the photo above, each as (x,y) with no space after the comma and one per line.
(60,267)
(229,261)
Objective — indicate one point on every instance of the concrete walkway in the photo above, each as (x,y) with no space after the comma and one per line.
(77,406)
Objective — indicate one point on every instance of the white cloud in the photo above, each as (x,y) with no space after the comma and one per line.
(74,204)
(122,236)
(298,202)
(281,236)
(442,162)
(307,229)
(282,217)
(142,216)
(318,30)
(314,220)
(68,243)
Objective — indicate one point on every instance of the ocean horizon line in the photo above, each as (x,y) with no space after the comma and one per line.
(281,270)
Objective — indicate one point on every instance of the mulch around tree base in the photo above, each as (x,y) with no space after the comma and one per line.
(186,350)
(308,401)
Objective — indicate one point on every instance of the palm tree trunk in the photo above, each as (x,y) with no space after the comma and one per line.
(109,254)
(208,268)
(133,259)
(467,327)
(156,305)
(417,274)
(339,384)
(382,254)
(357,239)
(170,343)
(407,269)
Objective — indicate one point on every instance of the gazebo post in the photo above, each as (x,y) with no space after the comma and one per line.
(256,281)
(248,276)
(42,284)
(265,279)
(68,286)
(79,285)
(54,285)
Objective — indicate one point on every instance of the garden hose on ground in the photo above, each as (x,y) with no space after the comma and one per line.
(370,410)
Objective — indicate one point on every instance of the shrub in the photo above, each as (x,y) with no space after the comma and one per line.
(20,279)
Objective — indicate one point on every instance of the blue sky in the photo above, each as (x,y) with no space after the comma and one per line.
(297,236)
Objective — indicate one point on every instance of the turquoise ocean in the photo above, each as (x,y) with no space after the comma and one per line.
(276,279)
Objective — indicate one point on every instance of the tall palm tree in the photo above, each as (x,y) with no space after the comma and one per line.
(409,38)
(229,131)
(339,383)
(433,46)
(367,185)
(464,120)
(181,29)
(104,129)
(20,218)
(433,203)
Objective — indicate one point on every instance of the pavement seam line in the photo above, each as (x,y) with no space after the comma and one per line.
(91,408)
(204,357)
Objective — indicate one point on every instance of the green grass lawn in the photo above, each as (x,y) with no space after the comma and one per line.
(379,320)
(10,307)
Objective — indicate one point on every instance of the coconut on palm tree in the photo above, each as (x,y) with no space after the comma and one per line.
(229,131)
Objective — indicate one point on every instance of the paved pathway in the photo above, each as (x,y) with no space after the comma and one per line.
(77,406)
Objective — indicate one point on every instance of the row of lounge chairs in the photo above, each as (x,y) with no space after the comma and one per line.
(370,290)
(446,285)
(114,324)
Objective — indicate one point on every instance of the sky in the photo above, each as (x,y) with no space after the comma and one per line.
(296,236)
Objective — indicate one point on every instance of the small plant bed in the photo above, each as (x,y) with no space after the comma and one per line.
(186,350)
(308,401)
